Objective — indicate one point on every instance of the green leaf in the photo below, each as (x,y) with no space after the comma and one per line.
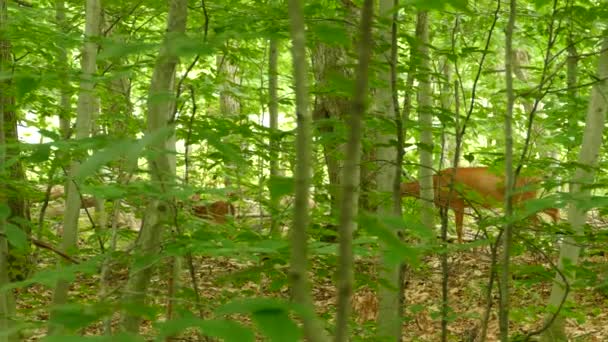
(251,305)
(538,4)
(16,236)
(226,330)
(100,158)
(460,5)
(26,84)
(426,4)
(5,212)
(51,276)
(271,316)
(470,157)
(277,325)
(121,49)
(332,34)
(280,186)
(384,228)
(120,337)
(76,316)
(41,153)
(439,5)
(132,149)
(539,204)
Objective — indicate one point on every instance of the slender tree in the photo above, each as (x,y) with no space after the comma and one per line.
(313,328)
(350,176)
(331,61)
(509,179)
(579,190)
(389,322)
(7,302)
(158,211)
(273,109)
(228,74)
(19,267)
(85,108)
(425,119)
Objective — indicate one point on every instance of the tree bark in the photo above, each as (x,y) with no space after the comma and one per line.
(389,322)
(158,212)
(18,264)
(447,148)
(273,109)
(229,106)
(580,190)
(425,121)
(350,176)
(7,301)
(300,288)
(84,110)
(509,179)
(329,111)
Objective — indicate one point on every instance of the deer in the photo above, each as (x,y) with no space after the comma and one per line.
(474,186)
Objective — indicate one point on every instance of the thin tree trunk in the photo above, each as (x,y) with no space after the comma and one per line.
(117,104)
(389,322)
(313,328)
(273,109)
(572,72)
(350,176)
(7,301)
(509,179)
(425,121)
(447,149)
(158,212)
(230,107)
(65,108)
(405,117)
(580,190)
(85,105)
(18,267)
(329,110)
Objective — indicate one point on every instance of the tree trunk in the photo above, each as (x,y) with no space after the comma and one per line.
(509,180)
(65,108)
(273,109)
(300,288)
(389,322)
(572,72)
(580,191)
(117,105)
(329,110)
(158,212)
(229,106)
(7,301)
(425,120)
(447,147)
(350,176)
(85,105)
(18,263)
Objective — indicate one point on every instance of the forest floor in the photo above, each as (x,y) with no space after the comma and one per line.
(468,280)
(222,279)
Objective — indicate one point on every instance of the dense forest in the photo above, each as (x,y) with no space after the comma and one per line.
(269,170)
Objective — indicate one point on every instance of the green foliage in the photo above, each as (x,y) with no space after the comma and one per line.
(280,187)
(226,330)
(75,316)
(16,236)
(119,337)
(115,161)
(271,316)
